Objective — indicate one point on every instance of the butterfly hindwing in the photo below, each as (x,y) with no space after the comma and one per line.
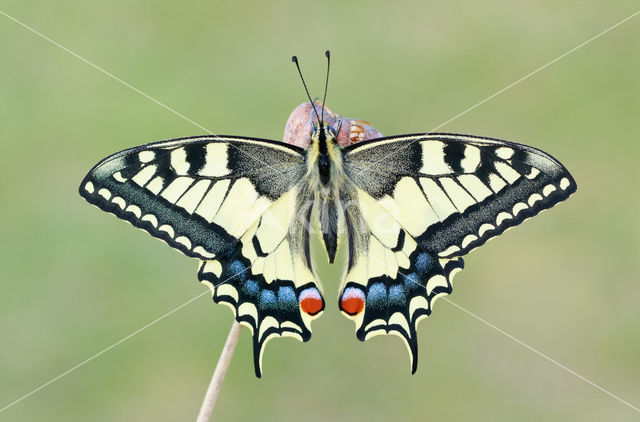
(408,208)
(452,193)
(229,202)
(197,194)
(266,280)
(427,200)
(391,283)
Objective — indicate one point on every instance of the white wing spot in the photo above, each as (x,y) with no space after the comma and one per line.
(496,182)
(475,186)
(468,239)
(471,159)
(193,196)
(176,189)
(520,206)
(534,198)
(212,200)
(418,302)
(89,187)
(135,210)
(533,173)
(118,176)
(417,214)
(484,228)
(227,289)
(119,202)
(564,183)
(203,252)
(504,153)
(438,200)
(151,219)
(249,309)
(215,160)
(146,156)
(179,161)
(547,190)
(183,241)
(433,158)
(435,281)
(461,199)
(450,250)
(155,185)
(212,267)
(104,193)
(144,175)
(399,319)
(267,323)
(167,229)
(502,217)
(507,172)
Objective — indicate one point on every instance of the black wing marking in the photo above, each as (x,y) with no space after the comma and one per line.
(452,193)
(266,280)
(197,194)
(391,283)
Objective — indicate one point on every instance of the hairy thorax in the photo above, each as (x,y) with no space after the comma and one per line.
(328,195)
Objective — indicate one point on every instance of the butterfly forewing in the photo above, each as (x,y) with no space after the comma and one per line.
(452,193)
(230,202)
(407,208)
(425,201)
(197,194)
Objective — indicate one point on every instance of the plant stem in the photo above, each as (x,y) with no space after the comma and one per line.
(218,375)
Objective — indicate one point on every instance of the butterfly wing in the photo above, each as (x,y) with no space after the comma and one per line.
(227,201)
(391,283)
(454,192)
(267,281)
(442,195)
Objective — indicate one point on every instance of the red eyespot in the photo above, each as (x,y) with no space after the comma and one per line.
(352,301)
(311,302)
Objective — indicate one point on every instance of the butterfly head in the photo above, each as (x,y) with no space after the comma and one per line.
(323,133)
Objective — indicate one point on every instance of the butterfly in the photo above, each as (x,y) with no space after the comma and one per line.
(405,209)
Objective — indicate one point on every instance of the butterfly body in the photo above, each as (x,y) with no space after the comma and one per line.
(405,210)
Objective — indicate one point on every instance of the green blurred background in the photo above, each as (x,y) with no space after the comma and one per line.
(75,280)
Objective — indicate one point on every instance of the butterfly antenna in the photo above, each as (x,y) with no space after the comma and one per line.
(295,60)
(326,83)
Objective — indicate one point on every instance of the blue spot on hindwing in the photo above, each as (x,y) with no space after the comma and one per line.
(287,299)
(267,300)
(396,295)
(251,288)
(423,263)
(237,269)
(411,281)
(377,296)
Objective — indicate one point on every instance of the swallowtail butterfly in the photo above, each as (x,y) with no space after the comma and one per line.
(406,209)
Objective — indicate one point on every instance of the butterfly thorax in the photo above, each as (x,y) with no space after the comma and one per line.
(326,189)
